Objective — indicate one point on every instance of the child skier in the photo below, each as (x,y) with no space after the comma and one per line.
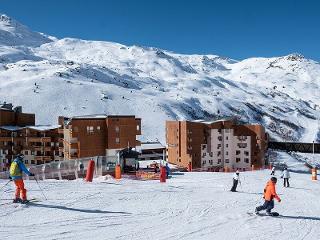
(286,176)
(236,179)
(269,195)
(16,169)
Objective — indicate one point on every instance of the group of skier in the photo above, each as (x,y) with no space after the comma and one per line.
(269,191)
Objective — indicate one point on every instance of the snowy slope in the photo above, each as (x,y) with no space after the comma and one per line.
(54,77)
(190,206)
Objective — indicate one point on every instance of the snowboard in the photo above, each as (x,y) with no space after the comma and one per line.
(273,214)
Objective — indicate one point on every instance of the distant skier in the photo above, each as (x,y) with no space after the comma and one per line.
(236,179)
(286,176)
(273,171)
(269,195)
(167,170)
(16,169)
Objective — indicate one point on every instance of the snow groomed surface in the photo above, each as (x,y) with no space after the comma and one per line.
(188,206)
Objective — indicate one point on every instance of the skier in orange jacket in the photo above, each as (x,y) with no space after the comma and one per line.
(269,194)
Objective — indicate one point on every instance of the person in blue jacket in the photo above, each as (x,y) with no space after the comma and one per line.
(167,170)
(16,169)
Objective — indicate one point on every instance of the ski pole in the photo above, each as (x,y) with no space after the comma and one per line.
(5,185)
(41,189)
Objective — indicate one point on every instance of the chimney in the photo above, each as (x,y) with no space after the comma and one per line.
(18,109)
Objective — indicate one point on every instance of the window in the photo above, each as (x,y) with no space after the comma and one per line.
(219,146)
(117,129)
(203,147)
(227,161)
(26,152)
(219,161)
(227,145)
(220,138)
(227,137)
(237,159)
(242,145)
(204,162)
(246,153)
(89,129)
(204,154)
(138,127)
(227,153)
(237,152)
(98,128)
(219,153)
(246,160)
(32,162)
(26,161)
(211,154)
(117,140)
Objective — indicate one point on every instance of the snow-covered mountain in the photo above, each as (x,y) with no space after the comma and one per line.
(53,77)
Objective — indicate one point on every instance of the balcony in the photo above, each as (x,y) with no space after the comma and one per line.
(39,139)
(47,149)
(5,139)
(43,158)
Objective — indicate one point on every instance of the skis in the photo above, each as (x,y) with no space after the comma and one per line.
(32,200)
(272,214)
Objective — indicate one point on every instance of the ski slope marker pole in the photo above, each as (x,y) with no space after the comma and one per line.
(41,189)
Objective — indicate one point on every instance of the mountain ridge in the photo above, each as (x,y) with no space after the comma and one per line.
(69,76)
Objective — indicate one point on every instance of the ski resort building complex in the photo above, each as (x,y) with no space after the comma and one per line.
(19,134)
(215,145)
(99,135)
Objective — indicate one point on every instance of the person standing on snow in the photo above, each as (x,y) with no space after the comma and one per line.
(273,170)
(269,195)
(286,176)
(236,179)
(16,169)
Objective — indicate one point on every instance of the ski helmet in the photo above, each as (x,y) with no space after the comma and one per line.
(274,179)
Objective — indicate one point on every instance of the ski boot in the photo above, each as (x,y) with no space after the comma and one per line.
(17,200)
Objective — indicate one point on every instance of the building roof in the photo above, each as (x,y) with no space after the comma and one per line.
(151,145)
(100,116)
(44,127)
(11,128)
(40,128)
(210,122)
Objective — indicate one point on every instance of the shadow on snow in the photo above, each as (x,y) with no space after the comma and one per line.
(75,209)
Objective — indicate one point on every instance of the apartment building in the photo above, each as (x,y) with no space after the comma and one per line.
(19,134)
(215,145)
(99,135)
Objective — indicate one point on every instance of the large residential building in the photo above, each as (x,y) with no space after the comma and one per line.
(215,145)
(19,134)
(99,135)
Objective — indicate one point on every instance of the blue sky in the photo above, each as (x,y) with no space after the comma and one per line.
(235,29)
